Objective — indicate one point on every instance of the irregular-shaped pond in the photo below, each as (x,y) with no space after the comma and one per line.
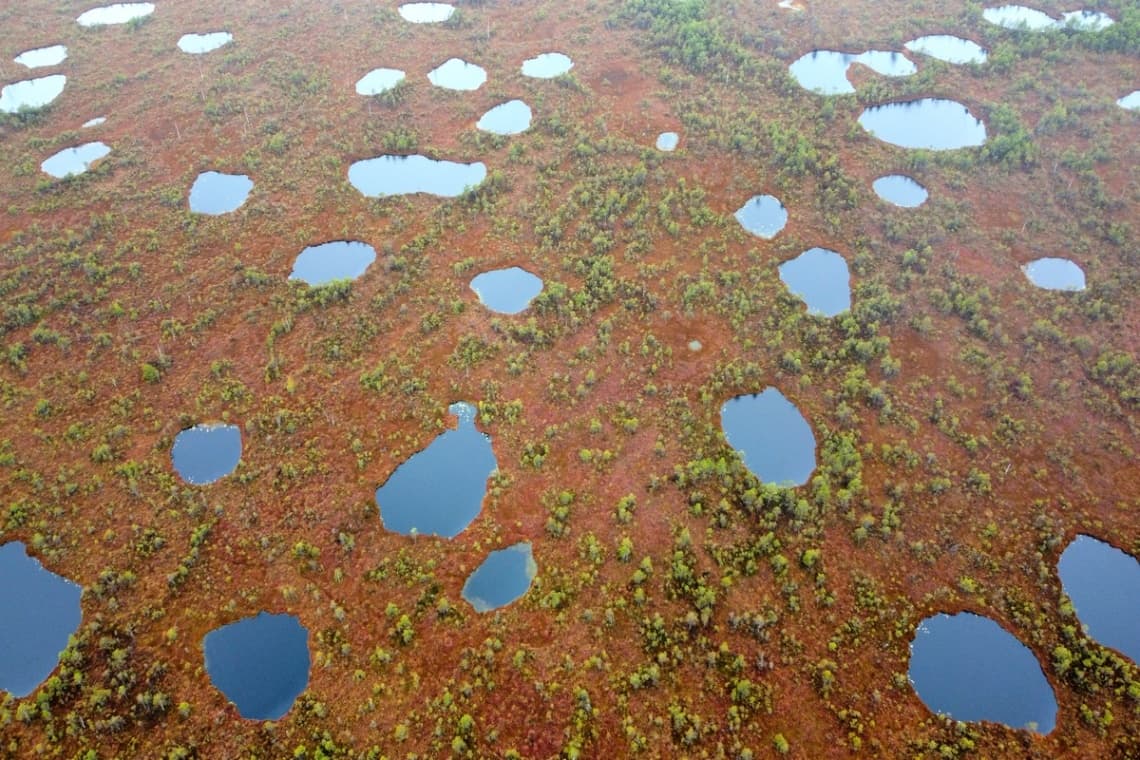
(328,262)
(825,71)
(426,13)
(94,122)
(405,175)
(31,93)
(507,291)
(547,66)
(457,74)
(119,13)
(197,44)
(378,81)
(928,123)
(948,48)
(888,63)
(502,578)
(1019,17)
(205,453)
(1103,584)
(1087,21)
(39,611)
(773,438)
(261,663)
(439,491)
(1130,101)
(75,160)
(821,278)
(970,668)
(508,118)
(216,193)
(900,190)
(52,55)
(763,216)
(667,141)
(1055,274)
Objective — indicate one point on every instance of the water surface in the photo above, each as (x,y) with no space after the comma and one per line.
(667,141)
(825,71)
(1087,21)
(1019,17)
(1130,101)
(426,13)
(31,93)
(900,190)
(948,48)
(821,278)
(39,611)
(773,438)
(888,63)
(970,668)
(502,578)
(508,118)
(547,66)
(763,216)
(119,13)
(52,55)
(206,453)
(439,491)
(1055,274)
(457,74)
(94,122)
(197,44)
(328,262)
(216,193)
(1103,584)
(77,160)
(928,123)
(404,175)
(507,291)
(261,663)
(378,81)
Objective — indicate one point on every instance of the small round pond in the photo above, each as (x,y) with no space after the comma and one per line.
(506,291)
(547,66)
(216,193)
(508,118)
(458,74)
(198,44)
(378,81)
(31,93)
(1019,17)
(667,141)
(119,13)
(1055,274)
(1130,101)
(1103,584)
(439,491)
(52,55)
(39,611)
(929,123)
(77,160)
(773,438)
(426,13)
(329,262)
(948,48)
(502,578)
(206,453)
(406,175)
(969,668)
(821,278)
(261,663)
(763,216)
(900,190)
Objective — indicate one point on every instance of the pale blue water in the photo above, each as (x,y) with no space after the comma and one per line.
(900,190)
(52,55)
(1055,274)
(75,160)
(328,262)
(507,291)
(508,118)
(378,81)
(547,66)
(215,193)
(821,278)
(502,578)
(206,453)
(405,175)
(928,123)
(31,93)
(825,71)
(763,216)
(1130,101)
(1019,17)
(426,13)
(261,663)
(773,438)
(1087,21)
(1103,584)
(198,44)
(947,47)
(667,141)
(119,13)
(457,74)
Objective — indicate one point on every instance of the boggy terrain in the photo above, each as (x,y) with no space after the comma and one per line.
(968,424)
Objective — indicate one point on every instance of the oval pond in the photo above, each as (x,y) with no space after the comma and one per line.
(426,13)
(507,291)
(53,55)
(406,175)
(378,81)
(458,74)
(928,123)
(773,438)
(197,44)
(77,160)
(1055,274)
(900,190)
(667,141)
(821,278)
(502,578)
(547,66)
(329,262)
(1103,584)
(216,193)
(508,118)
(763,216)
(31,93)
(206,453)
(261,663)
(1019,17)
(948,48)
(119,13)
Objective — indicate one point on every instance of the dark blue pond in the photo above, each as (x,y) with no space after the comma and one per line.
(261,663)
(502,578)
(507,291)
(773,438)
(763,216)
(970,668)
(39,610)
(328,262)
(404,175)
(439,491)
(1103,584)
(205,453)
(821,278)
(215,193)
(928,123)
(900,190)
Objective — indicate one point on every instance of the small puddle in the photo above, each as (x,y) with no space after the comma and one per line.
(900,190)
(458,74)
(45,56)
(94,122)
(948,48)
(439,491)
(547,66)
(928,123)
(502,578)
(426,13)
(1103,584)
(821,278)
(825,71)
(763,216)
(261,663)
(216,193)
(1130,101)
(39,611)
(119,13)
(77,160)
(1019,17)
(405,175)
(969,668)
(1055,274)
(197,44)
(329,262)
(31,93)
(507,291)
(378,81)
(206,453)
(508,118)
(667,141)
(773,438)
